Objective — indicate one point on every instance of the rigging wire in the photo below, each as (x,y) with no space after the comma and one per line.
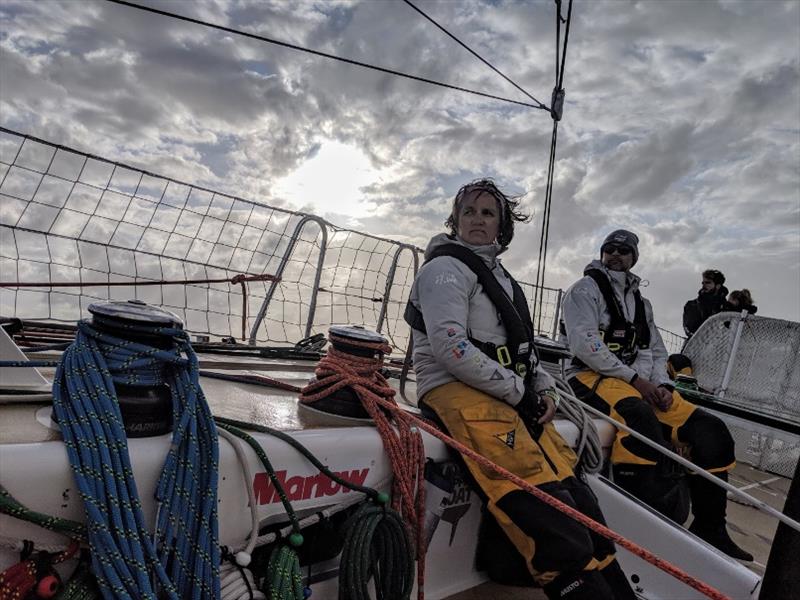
(349,61)
(555,109)
(475,54)
(556,112)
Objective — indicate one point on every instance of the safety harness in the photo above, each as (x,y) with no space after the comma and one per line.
(519,352)
(622,337)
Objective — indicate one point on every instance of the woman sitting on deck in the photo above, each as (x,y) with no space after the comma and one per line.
(477,376)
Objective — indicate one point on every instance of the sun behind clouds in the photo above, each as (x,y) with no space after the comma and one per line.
(331,181)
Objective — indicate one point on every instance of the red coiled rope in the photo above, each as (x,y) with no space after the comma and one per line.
(18,580)
(404,446)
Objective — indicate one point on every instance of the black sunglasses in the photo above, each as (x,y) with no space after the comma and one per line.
(621,250)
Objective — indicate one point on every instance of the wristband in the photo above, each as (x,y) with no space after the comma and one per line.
(553,395)
(634,378)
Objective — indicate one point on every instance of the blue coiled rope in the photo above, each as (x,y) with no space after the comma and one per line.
(181,559)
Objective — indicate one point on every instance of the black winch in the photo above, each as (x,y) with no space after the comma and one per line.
(146,408)
(348,337)
(350,340)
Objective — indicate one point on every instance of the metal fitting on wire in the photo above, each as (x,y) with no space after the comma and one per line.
(557,103)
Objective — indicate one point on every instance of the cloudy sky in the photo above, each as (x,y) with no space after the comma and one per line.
(682,119)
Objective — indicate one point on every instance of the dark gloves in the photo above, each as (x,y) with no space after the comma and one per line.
(530,409)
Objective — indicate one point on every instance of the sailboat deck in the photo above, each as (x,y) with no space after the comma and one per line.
(23,422)
(257,404)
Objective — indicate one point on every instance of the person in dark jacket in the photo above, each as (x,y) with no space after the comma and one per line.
(739,300)
(711,299)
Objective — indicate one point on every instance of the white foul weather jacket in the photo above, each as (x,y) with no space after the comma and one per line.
(585,313)
(455,308)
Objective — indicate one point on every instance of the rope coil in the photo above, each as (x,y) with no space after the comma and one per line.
(377,544)
(403,444)
(236,582)
(181,559)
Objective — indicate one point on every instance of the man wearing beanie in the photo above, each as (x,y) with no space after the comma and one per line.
(620,368)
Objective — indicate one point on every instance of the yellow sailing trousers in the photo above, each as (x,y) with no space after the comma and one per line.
(494,429)
(690,429)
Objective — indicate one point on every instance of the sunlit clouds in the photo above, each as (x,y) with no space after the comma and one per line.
(681,122)
(331,182)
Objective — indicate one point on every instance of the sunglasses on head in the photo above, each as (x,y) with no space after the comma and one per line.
(621,250)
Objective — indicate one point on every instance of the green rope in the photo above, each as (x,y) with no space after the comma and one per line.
(377,545)
(222,423)
(12,507)
(81,586)
(372,493)
(284,579)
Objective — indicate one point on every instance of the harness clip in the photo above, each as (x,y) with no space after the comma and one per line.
(503,356)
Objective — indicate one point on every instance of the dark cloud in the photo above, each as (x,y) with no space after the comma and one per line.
(769,94)
(640,172)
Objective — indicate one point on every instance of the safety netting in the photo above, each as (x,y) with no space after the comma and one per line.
(673,342)
(85,224)
(753,363)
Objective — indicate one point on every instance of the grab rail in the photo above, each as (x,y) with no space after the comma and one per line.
(284,261)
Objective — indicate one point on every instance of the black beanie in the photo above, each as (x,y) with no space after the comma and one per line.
(623,237)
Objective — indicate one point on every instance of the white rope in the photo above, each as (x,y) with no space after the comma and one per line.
(244,555)
(691,466)
(588,448)
(310,520)
(233,585)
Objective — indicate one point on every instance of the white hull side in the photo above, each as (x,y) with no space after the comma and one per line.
(358,453)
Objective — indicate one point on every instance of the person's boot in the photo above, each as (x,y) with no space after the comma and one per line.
(618,582)
(580,585)
(658,486)
(709,505)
